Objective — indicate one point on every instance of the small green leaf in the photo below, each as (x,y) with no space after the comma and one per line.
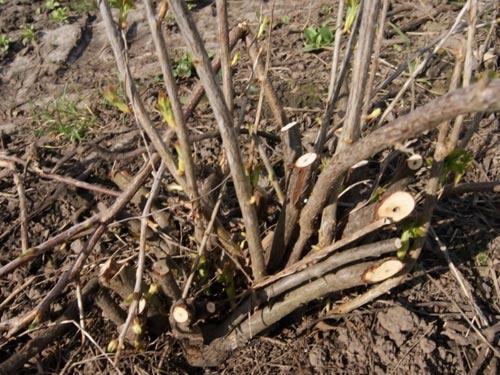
(5,42)
(411,231)
(137,327)
(184,67)
(352,9)
(317,38)
(165,109)
(203,267)
(111,95)
(112,346)
(482,259)
(310,34)
(226,278)
(124,7)
(326,34)
(181,166)
(376,194)
(456,164)
(263,26)
(253,174)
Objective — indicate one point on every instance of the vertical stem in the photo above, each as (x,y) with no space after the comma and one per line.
(225,123)
(468,65)
(140,113)
(375,57)
(351,129)
(170,85)
(330,106)
(225,54)
(137,294)
(236,34)
(290,138)
(336,48)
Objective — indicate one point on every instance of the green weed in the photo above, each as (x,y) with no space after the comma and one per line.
(456,164)
(285,20)
(411,231)
(184,67)
(5,43)
(352,10)
(52,5)
(83,6)
(403,36)
(60,15)
(226,278)
(28,35)
(317,38)
(482,259)
(64,118)
(124,7)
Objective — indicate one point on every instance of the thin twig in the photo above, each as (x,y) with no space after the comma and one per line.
(351,129)
(375,59)
(81,312)
(203,244)
(64,179)
(142,117)
(469,322)
(468,68)
(330,106)
(91,339)
(462,282)
(420,67)
(471,187)
(223,35)
(102,217)
(270,171)
(23,211)
(46,337)
(290,138)
(132,311)
(171,87)
(336,48)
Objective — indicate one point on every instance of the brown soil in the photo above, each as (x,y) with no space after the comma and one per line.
(58,78)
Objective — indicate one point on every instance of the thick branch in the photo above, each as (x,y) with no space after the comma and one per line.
(287,283)
(476,98)
(351,130)
(264,318)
